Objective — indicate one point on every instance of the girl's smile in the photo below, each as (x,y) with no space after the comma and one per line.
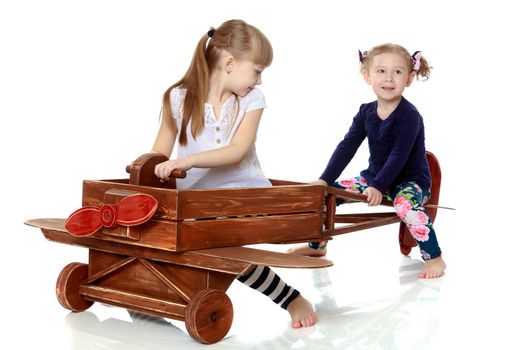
(388,75)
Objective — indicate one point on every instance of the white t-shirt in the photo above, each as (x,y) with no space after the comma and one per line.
(219,133)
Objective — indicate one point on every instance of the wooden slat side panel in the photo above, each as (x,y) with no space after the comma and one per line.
(93,194)
(158,234)
(201,234)
(249,201)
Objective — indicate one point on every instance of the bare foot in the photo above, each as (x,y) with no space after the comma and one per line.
(302,313)
(433,268)
(307,251)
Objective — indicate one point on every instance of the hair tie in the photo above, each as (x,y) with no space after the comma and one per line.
(416,60)
(363,56)
(211,32)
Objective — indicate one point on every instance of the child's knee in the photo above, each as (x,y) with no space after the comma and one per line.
(402,206)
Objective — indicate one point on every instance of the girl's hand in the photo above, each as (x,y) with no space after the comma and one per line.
(318,182)
(373,196)
(163,170)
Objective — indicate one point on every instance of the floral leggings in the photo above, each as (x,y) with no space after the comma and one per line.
(408,200)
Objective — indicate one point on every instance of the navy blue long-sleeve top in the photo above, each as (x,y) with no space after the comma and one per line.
(397,148)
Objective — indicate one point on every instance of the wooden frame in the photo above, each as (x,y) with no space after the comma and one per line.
(180,263)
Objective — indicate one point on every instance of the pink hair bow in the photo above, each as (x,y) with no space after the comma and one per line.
(416,60)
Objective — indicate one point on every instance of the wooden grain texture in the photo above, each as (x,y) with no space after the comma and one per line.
(114,196)
(329,221)
(159,234)
(134,301)
(265,257)
(68,286)
(249,201)
(209,316)
(200,234)
(142,171)
(363,225)
(362,217)
(236,262)
(158,280)
(54,230)
(94,191)
(180,263)
(188,219)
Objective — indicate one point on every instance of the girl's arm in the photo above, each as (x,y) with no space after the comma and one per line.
(345,150)
(166,138)
(234,153)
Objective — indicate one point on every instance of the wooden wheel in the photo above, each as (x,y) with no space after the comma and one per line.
(68,287)
(209,316)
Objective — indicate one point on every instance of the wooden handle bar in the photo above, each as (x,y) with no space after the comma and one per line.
(176,173)
(355,197)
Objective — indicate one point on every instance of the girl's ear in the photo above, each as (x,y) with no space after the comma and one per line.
(229,62)
(366,76)
(410,79)
(226,62)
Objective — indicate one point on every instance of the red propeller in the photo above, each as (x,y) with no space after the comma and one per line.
(132,210)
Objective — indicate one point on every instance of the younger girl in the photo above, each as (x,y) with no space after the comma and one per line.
(397,166)
(214,113)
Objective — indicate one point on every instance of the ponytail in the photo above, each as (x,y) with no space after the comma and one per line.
(241,40)
(195,81)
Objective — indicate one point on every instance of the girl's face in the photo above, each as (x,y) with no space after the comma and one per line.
(389,75)
(244,76)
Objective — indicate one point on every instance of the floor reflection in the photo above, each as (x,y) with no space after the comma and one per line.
(88,332)
(403,315)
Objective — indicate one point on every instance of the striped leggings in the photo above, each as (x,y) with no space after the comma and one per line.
(264,280)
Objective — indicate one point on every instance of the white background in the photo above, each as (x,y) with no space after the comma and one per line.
(80,94)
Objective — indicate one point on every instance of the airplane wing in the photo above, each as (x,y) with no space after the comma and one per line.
(265,257)
(55,230)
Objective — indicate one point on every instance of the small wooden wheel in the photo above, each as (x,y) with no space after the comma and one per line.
(68,287)
(209,316)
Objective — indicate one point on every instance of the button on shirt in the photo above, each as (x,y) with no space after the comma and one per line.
(217,133)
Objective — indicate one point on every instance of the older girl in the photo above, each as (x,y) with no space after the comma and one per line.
(214,112)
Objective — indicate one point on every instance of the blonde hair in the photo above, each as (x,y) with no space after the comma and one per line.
(242,40)
(367,57)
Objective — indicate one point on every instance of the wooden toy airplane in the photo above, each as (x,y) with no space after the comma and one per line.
(174,253)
